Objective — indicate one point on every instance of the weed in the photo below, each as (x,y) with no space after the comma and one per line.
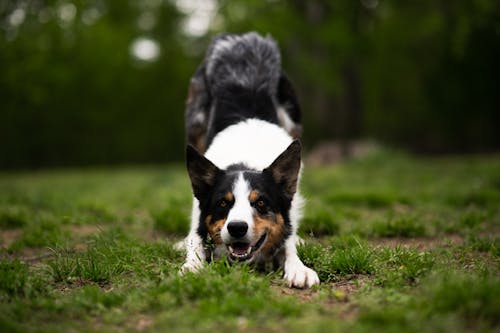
(39,233)
(16,280)
(225,290)
(485,244)
(407,227)
(401,265)
(173,218)
(13,277)
(91,298)
(104,259)
(320,222)
(473,298)
(345,256)
(13,217)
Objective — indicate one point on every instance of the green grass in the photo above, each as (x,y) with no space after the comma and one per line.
(401,244)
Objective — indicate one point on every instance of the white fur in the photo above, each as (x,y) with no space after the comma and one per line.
(284,119)
(296,273)
(253,142)
(241,210)
(193,243)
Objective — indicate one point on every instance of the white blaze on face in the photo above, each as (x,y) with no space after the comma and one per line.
(241,211)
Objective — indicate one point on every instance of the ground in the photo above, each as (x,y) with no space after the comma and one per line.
(401,244)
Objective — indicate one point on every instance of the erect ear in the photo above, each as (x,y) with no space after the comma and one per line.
(285,169)
(201,171)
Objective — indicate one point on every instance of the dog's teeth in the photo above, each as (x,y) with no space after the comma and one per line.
(230,249)
(249,250)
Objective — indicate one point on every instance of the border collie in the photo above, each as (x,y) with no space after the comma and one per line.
(243,159)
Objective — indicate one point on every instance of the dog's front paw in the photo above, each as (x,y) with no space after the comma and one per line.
(191,266)
(300,276)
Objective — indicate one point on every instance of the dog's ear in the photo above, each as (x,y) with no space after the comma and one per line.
(291,120)
(197,109)
(202,172)
(286,168)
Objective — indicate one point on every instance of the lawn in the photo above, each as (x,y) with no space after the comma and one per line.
(401,244)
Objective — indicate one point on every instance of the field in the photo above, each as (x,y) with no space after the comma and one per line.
(401,244)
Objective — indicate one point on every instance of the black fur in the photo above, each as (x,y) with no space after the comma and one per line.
(240,82)
(285,169)
(237,104)
(202,172)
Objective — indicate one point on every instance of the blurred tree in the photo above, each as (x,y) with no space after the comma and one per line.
(432,77)
(417,74)
(104,81)
(72,91)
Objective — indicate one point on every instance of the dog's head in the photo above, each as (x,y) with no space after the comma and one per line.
(245,210)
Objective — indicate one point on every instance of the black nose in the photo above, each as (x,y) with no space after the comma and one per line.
(237,229)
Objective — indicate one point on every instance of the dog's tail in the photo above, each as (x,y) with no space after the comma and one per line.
(247,61)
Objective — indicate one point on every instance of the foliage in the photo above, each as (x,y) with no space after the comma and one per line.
(72,93)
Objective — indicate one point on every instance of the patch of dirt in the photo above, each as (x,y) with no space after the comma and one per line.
(29,255)
(143,322)
(303,295)
(335,296)
(79,232)
(34,256)
(82,231)
(340,297)
(420,243)
(9,236)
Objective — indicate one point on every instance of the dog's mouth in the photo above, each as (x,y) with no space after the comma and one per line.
(241,251)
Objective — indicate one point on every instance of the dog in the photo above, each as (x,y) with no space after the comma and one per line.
(243,158)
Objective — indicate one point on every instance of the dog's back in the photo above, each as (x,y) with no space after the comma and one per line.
(240,79)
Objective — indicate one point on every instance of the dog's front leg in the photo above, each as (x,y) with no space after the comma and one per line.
(195,250)
(297,274)
(195,253)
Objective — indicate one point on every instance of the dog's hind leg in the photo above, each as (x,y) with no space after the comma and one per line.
(197,110)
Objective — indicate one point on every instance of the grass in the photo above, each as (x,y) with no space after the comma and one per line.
(401,244)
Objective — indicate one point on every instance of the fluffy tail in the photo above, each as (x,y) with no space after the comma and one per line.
(247,61)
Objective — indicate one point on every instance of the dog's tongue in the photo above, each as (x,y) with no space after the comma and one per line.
(240,248)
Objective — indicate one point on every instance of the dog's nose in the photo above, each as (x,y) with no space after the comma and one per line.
(237,229)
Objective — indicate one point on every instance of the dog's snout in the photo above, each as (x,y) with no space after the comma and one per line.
(237,229)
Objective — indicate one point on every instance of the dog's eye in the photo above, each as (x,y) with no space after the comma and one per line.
(223,204)
(261,206)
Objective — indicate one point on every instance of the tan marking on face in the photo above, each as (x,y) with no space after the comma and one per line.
(274,225)
(214,228)
(229,196)
(253,196)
